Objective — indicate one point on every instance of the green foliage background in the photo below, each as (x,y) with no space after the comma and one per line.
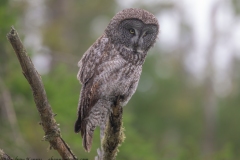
(164,119)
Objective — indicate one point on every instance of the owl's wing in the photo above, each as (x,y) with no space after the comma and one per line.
(91,59)
(86,75)
(86,68)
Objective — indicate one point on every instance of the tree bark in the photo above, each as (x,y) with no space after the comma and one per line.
(114,135)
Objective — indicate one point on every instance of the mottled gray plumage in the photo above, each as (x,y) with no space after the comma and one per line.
(111,68)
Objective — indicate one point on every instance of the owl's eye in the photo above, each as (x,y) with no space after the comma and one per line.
(132,31)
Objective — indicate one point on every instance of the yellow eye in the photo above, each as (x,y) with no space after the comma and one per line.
(132,31)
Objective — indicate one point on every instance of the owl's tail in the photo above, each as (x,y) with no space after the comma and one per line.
(87,138)
(97,117)
(86,134)
(78,126)
(82,121)
(90,115)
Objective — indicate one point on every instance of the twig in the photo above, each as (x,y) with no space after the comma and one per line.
(4,156)
(50,127)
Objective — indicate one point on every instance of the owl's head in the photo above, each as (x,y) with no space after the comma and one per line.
(135,29)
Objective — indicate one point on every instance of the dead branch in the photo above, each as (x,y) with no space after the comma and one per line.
(50,127)
(114,135)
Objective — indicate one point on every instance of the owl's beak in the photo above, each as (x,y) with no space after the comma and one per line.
(136,45)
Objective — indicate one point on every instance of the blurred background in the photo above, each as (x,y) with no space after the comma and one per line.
(186,106)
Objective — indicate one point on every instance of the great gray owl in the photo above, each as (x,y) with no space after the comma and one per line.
(111,68)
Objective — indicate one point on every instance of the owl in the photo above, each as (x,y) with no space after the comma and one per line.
(111,69)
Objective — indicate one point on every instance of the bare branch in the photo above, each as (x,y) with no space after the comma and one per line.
(50,127)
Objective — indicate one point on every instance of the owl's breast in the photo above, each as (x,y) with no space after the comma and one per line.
(116,77)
